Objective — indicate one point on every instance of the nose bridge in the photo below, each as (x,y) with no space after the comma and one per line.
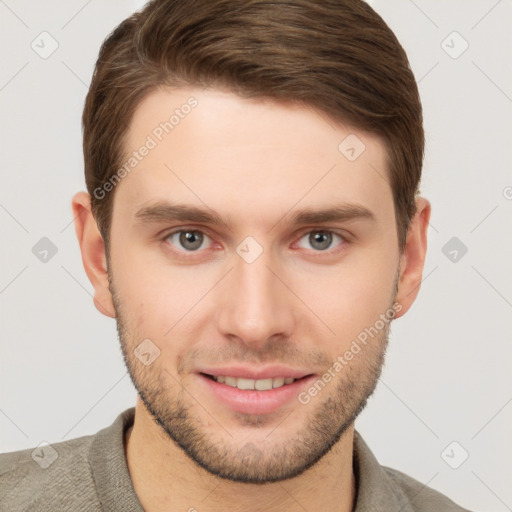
(257,306)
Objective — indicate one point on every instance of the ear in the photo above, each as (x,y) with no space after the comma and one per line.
(93,252)
(413,258)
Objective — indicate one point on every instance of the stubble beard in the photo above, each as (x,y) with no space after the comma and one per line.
(331,413)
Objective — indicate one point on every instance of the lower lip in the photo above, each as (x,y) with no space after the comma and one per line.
(252,401)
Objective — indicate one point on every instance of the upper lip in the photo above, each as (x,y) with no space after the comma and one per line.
(267,372)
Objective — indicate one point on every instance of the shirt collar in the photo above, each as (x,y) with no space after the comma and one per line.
(110,469)
(375,489)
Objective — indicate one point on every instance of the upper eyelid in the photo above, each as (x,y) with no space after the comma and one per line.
(302,231)
(167,234)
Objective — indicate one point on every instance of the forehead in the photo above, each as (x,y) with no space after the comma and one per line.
(251,156)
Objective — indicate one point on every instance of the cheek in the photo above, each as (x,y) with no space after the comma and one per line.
(138,291)
(351,296)
(158,300)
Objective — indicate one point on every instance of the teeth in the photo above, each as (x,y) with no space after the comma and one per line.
(245,383)
(278,382)
(259,384)
(230,381)
(263,384)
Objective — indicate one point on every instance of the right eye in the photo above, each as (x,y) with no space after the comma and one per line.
(187,240)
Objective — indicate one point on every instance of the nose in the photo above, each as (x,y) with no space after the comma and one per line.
(255,305)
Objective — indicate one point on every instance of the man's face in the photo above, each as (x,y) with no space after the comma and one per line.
(258,298)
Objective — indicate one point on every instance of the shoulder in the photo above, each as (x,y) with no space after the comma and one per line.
(41,478)
(384,488)
(421,497)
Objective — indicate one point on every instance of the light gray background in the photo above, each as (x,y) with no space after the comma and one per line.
(448,371)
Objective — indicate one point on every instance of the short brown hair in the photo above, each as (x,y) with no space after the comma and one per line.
(337,56)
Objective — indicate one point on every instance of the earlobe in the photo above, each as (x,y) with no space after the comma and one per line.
(93,252)
(412,260)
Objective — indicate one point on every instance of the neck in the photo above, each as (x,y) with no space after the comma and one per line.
(165,478)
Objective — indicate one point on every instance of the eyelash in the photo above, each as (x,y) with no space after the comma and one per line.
(344,241)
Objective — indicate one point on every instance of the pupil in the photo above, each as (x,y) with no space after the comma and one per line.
(191,239)
(321,240)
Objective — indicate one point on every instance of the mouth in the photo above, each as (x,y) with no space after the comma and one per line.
(253,384)
(254,393)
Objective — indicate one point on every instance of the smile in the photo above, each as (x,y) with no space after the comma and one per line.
(264,395)
(256,384)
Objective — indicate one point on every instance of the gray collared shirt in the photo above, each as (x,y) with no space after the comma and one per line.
(90,474)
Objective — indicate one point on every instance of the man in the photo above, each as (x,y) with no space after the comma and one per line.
(253,224)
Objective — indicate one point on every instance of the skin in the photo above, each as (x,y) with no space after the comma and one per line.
(254,162)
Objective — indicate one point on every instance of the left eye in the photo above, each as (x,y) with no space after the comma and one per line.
(320,240)
(190,240)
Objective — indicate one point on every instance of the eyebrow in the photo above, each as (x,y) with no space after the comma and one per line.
(167,212)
